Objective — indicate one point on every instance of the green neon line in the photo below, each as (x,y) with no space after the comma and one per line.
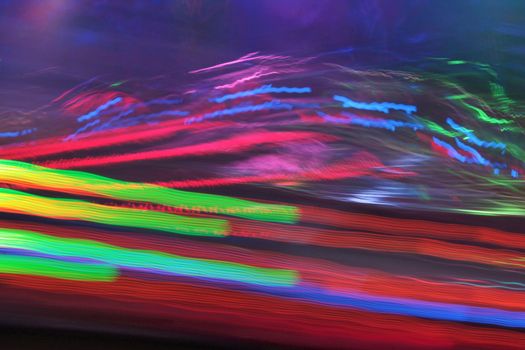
(145,259)
(72,209)
(456,62)
(506,210)
(29,265)
(69,180)
(481,115)
(439,129)
(458,97)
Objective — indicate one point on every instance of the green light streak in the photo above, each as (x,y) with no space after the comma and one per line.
(72,209)
(515,129)
(481,115)
(78,181)
(145,259)
(118,83)
(458,97)
(439,129)
(502,100)
(456,62)
(507,210)
(29,265)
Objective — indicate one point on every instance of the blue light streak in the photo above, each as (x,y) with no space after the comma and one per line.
(265,89)
(275,104)
(383,107)
(99,109)
(472,138)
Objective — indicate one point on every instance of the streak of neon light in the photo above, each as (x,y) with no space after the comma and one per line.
(472,138)
(80,182)
(248,57)
(383,107)
(99,109)
(275,104)
(234,144)
(12,201)
(388,124)
(24,132)
(265,89)
(30,265)
(144,259)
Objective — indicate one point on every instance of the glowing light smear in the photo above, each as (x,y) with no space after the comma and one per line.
(10,134)
(81,182)
(27,265)
(383,107)
(99,109)
(324,205)
(69,209)
(142,259)
(265,89)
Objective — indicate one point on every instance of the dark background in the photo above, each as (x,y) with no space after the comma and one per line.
(48,46)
